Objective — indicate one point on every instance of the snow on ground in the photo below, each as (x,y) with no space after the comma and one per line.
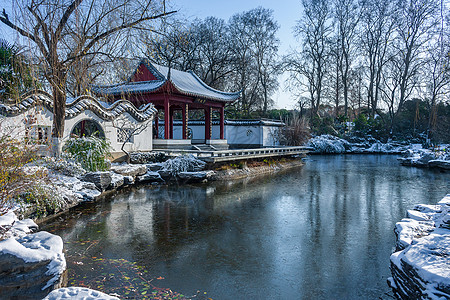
(78,293)
(14,227)
(421,266)
(332,144)
(328,144)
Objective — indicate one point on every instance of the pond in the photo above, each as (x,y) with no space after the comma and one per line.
(323,231)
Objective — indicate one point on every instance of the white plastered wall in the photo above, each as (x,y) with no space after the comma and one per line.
(42,117)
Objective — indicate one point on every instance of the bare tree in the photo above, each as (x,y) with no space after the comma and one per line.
(127,130)
(377,29)
(64,31)
(307,68)
(414,22)
(215,52)
(436,69)
(265,47)
(346,18)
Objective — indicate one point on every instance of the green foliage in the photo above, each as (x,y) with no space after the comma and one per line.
(15,72)
(323,125)
(90,152)
(361,123)
(43,199)
(15,174)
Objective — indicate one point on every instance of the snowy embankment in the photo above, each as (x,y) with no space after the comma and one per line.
(420,266)
(329,144)
(31,264)
(78,186)
(436,158)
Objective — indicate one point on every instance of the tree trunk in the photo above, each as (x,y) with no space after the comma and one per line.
(59,114)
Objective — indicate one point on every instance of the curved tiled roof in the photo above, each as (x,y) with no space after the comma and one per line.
(190,84)
(78,105)
(186,83)
(128,87)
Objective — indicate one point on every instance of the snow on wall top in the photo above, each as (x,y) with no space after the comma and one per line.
(76,106)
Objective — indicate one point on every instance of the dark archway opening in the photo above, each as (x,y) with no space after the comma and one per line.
(87,128)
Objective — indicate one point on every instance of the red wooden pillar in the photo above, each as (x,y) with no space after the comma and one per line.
(166,118)
(185,109)
(222,122)
(208,124)
(172,110)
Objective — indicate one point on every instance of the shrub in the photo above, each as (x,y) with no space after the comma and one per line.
(65,165)
(15,175)
(295,133)
(43,200)
(90,152)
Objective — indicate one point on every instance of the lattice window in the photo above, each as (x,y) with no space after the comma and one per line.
(125,135)
(38,133)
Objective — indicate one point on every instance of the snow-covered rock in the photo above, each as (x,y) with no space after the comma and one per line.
(439,163)
(117,180)
(102,180)
(88,194)
(155,167)
(129,170)
(147,157)
(11,226)
(31,266)
(128,180)
(328,144)
(150,176)
(183,163)
(78,293)
(421,265)
(426,158)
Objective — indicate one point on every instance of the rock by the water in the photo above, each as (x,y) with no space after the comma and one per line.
(149,177)
(78,293)
(11,226)
(101,179)
(195,176)
(328,144)
(88,194)
(128,180)
(421,266)
(31,266)
(117,180)
(439,163)
(129,170)
(426,158)
(155,167)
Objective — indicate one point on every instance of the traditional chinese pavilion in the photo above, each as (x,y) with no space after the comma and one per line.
(171,90)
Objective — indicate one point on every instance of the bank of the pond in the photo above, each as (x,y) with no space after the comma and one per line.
(94,186)
(420,266)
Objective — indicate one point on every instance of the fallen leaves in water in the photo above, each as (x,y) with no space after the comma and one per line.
(120,277)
